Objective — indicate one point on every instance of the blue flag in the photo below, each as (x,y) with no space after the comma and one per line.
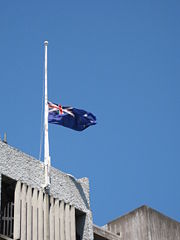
(70,117)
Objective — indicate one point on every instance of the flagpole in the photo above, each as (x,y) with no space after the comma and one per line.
(47,160)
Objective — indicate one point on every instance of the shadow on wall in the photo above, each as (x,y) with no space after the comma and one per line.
(81,191)
(80,223)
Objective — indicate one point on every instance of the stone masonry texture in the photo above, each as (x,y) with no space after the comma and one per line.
(20,166)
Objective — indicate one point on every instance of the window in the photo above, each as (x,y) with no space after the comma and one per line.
(7,206)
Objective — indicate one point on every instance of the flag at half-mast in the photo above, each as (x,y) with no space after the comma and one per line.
(70,117)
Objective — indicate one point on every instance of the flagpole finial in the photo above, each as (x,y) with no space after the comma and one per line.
(45,43)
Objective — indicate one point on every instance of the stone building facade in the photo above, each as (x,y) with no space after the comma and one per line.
(16,166)
(29,213)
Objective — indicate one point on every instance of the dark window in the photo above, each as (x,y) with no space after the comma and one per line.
(7,206)
(80,222)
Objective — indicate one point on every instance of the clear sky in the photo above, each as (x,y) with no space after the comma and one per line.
(119,59)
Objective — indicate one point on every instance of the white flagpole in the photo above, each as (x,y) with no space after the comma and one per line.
(47,160)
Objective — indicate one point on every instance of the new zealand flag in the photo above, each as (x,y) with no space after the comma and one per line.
(70,117)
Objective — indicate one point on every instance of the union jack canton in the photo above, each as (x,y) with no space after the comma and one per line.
(70,117)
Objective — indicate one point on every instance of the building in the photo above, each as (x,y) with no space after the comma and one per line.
(143,223)
(27,212)
(30,213)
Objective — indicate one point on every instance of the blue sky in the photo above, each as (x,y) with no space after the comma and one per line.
(117,59)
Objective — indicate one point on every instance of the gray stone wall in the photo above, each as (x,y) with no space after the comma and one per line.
(20,166)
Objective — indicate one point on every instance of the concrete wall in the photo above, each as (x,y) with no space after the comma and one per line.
(102,234)
(162,227)
(145,223)
(132,226)
(20,166)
